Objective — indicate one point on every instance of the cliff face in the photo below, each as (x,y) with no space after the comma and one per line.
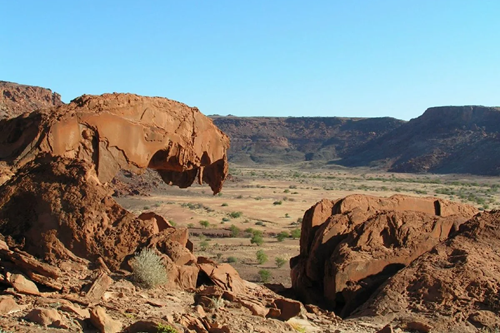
(273,140)
(443,140)
(16,99)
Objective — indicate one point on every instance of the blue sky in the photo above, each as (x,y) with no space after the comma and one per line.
(347,58)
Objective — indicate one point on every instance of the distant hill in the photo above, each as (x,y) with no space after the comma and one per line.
(272,140)
(451,139)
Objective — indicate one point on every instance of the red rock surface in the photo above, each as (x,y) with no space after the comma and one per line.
(455,286)
(16,99)
(122,131)
(352,245)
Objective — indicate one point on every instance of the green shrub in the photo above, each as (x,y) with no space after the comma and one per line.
(260,223)
(190,225)
(224,204)
(148,269)
(232,260)
(257,238)
(235,215)
(280,262)
(235,231)
(204,223)
(225,219)
(282,235)
(203,245)
(295,233)
(261,257)
(277,203)
(165,328)
(265,275)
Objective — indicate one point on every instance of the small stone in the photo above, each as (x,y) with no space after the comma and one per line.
(99,287)
(71,308)
(46,317)
(8,305)
(22,285)
(200,311)
(103,322)
(289,308)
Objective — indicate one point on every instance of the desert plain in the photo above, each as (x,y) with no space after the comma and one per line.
(273,199)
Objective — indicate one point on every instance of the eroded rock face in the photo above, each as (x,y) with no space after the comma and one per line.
(351,246)
(122,131)
(16,99)
(456,285)
(56,208)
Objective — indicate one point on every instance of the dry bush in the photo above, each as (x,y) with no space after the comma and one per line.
(148,269)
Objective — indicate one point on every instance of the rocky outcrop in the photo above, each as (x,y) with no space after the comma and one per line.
(122,131)
(351,246)
(16,99)
(56,208)
(455,287)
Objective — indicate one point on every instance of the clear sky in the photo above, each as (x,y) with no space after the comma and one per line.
(261,58)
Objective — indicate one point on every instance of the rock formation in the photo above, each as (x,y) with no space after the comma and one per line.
(16,99)
(57,204)
(455,287)
(350,246)
(122,131)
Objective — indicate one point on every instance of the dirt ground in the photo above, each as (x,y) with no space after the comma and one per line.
(272,200)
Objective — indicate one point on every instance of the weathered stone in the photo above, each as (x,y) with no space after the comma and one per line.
(72,308)
(288,308)
(8,305)
(459,275)
(22,285)
(366,240)
(99,287)
(222,275)
(46,317)
(103,322)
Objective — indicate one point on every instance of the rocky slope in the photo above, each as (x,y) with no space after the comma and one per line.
(274,140)
(16,99)
(443,140)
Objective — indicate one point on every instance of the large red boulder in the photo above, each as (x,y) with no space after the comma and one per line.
(352,245)
(455,286)
(122,131)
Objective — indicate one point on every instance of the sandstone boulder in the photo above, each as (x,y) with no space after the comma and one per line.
(455,285)
(122,131)
(353,245)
